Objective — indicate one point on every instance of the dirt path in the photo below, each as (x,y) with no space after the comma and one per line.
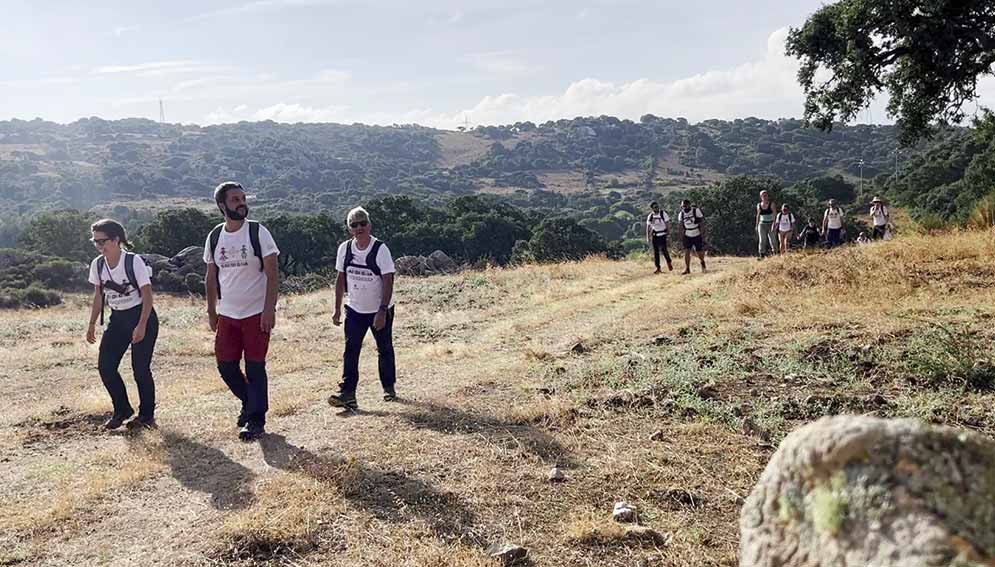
(459,464)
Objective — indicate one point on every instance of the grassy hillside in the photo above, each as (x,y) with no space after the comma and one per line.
(670,392)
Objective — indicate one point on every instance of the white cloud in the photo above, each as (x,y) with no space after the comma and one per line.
(37,83)
(144,69)
(503,63)
(283,112)
(260,6)
(119,31)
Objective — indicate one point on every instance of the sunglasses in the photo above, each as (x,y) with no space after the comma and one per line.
(99,241)
(358,224)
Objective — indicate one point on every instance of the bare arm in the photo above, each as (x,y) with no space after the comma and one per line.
(139,333)
(339,293)
(98,304)
(211,283)
(388,289)
(271,267)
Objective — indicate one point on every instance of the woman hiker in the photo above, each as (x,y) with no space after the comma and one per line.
(765,225)
(121,281)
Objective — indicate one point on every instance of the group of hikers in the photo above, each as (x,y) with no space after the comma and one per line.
(242,284)
(772,225)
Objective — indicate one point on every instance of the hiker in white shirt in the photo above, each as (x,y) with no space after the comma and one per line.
(691,221)
(657,229)
(784,223)
(832,224)
(242,286)
(121,281)
(366,273)
(880,218)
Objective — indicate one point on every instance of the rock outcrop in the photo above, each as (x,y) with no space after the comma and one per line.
(437,262)
(859,491)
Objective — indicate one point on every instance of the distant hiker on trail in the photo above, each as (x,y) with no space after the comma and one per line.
(810,235)
(692,223)
(242,286)
(657,228)
(785,226)
(366,272)
(880,218)
(765,225)
(121,280)
(832,224)
(862,238)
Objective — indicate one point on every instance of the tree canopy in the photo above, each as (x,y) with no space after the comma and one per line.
(927,55)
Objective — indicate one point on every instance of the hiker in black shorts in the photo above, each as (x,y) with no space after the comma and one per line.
(692,223)
(121,280)
(657,228)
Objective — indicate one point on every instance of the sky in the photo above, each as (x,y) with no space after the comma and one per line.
(437,63)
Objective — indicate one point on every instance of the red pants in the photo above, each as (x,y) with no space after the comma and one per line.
(238,336)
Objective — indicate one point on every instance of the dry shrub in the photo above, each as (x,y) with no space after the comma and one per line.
(592,530)
(552,412)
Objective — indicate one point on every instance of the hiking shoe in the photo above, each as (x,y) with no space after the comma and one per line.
(389,395)
(141,422)
(116,421)
(251,432)
(242,420)
(685,272)
(670,267)
(657,271)
(344,400)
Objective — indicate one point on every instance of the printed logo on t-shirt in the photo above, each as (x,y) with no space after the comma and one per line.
(235,260)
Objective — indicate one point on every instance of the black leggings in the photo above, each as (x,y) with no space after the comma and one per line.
(113,344)
(660,244)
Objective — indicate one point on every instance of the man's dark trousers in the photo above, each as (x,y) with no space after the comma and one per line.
(356,325)
(660,243)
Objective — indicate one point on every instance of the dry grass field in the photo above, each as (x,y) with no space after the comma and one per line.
(668,391)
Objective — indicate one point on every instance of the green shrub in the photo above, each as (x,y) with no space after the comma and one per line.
(60,274)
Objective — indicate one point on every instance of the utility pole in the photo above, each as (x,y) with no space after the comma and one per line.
(162,113)
(861,164)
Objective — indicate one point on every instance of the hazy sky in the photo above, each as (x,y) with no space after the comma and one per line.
(384,61)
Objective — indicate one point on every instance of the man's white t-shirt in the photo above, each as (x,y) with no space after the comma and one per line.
(785,221)
(691,220)
(132,297)
(243,283)
(365,287)
(880,216)
(657,222)
(834,218)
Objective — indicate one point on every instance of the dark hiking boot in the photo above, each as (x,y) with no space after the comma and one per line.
(685,272)
(345,400)
(242,420)
(116,421)
(670,267)
(251,432)
(389,395)
(141,422)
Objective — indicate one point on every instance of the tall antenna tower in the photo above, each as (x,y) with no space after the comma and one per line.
(162,113)
(466,121)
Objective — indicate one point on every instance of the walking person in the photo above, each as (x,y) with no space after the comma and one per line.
(832,225)
(657,228)
(121,281)
(880,218)
(785,225)
(692,223)
(242,285)
(366,273)
(765,225)
(810,236)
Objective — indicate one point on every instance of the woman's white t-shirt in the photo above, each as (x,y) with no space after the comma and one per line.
(365,287)
(785,221)
(243,282)
(834,218)
(132,297)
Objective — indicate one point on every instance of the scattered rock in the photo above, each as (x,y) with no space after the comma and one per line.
(508,554)
(657,435)
(441,262)
(663,340)
(625,513)
(435,263)
(876,400)
(708,392)
(560,370)
(579,348)
(647,534)
(557,475)
(681,498)
(858,490)
(547,391)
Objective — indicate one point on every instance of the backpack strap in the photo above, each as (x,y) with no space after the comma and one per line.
(371,258)
(103,300)
(257,249)
(215,236)
(345,263)
(129,269)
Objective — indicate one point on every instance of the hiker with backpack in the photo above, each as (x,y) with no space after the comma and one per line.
(810,236)
(242,285)
(785,226)
(880,218)
(657,228)
(832,225)
(122,281)
(765,225)
(692,223)
(366,273)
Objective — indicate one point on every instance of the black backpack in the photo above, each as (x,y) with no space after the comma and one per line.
(129,270)
(371,261)
(257,249)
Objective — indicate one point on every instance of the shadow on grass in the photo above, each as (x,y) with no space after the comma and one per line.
(508,434)
(205,469)
(390,496)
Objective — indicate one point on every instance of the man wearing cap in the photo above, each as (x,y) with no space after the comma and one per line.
(657,227)
(879,218)
(242,284)
(832,224)
(366,273)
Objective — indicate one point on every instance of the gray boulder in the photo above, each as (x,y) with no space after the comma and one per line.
(441,262)
(412,266)
(857,491)
(189,255)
